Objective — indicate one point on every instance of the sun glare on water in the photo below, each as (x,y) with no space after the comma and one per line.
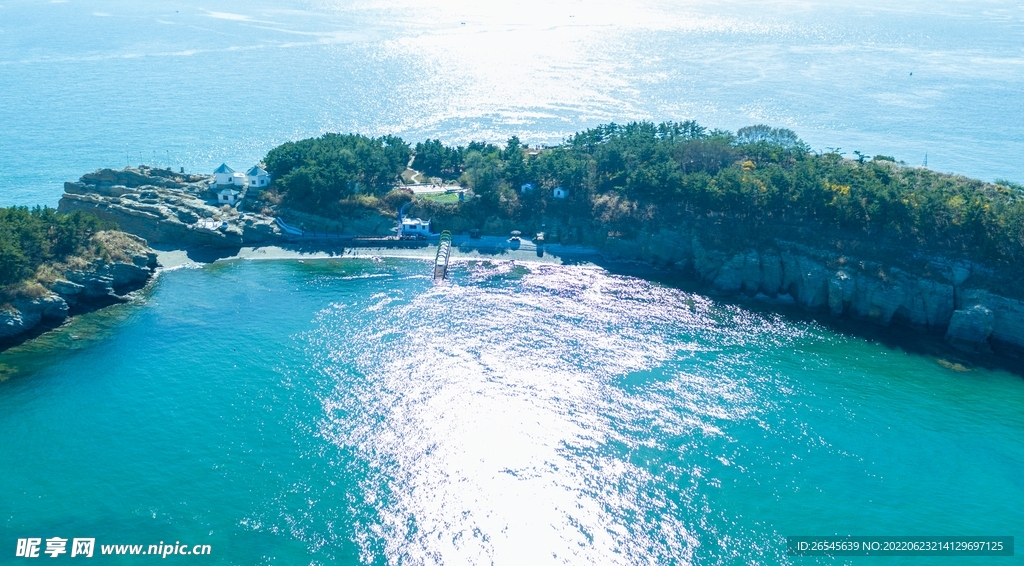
(488,414)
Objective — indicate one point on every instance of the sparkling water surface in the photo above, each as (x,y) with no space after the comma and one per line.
(344,412)
(106,83)
(350,411)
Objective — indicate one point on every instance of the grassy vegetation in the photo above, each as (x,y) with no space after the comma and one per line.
(441,198)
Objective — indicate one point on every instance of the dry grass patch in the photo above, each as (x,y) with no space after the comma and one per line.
(119,246)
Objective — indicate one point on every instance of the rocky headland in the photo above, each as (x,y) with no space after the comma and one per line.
(80,284)
(166,208)
(181,210)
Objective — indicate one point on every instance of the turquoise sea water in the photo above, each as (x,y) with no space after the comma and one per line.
(352,412)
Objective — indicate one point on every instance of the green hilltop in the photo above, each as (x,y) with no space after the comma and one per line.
(757,183)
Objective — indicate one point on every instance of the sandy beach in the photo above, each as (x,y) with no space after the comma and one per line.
(464,248)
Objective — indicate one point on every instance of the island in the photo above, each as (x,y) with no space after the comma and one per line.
(753,212)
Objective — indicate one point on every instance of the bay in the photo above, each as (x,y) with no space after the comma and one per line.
(344,412)
(350,411)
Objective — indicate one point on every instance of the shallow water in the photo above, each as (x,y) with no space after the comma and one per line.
(352,412)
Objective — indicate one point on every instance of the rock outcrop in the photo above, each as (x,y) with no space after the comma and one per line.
(94,285)
(166,207)
(938,296)
(969,329)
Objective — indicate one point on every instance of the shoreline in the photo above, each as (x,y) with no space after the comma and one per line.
(912,340)
(463,248)
(968,302)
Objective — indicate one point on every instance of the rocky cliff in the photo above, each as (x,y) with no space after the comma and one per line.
(931,294)
(181,210)
(83,285)
(166,207)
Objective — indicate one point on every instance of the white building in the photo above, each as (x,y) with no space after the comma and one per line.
(257,177)
(227,195)
(559,192)
(527,187)
(224,175)
(238,179)
(414,227)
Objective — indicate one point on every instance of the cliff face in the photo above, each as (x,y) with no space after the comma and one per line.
(938,295)
(93,285)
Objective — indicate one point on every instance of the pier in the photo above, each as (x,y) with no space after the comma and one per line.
(444,251)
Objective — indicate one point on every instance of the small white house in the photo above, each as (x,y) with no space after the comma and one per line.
(414,227)
(227,195)
(257,177)
(238,179)
(559,192)
(224,175)
(527,187)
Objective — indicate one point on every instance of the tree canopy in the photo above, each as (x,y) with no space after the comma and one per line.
(642,174)
(314,174)
(31,237)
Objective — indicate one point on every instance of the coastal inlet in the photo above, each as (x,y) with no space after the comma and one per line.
(352,411)
(965,301)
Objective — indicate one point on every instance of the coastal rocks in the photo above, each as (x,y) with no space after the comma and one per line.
(94,285)
(164,223)
(878,297)
(24,315)
(13,322)
(166,207)
(771,274)
(112,280)
(53,307)
(741,272)
(1008,315)
(130,265)
(142,176)
(863,291)
(664,247)
(840,292)
(969,329)
(805,280)
(924,298)
(927,303)
(66,288)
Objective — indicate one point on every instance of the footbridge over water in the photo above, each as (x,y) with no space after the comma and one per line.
(444,252)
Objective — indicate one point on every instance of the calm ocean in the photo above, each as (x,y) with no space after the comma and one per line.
(348,412)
